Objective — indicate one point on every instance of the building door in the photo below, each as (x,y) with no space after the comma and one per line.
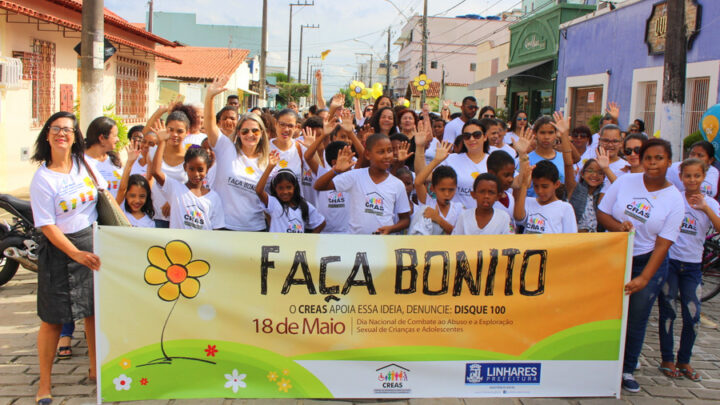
(586,102)
(520,101)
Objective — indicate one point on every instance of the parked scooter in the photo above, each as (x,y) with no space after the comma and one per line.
(18,244)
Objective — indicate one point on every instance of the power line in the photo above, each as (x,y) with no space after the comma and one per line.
(446,11)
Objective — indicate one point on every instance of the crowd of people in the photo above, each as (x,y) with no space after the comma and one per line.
(382,169)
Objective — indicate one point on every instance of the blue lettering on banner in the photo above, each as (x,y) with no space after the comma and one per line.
(502,373)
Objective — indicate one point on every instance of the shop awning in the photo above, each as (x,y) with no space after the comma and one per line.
(497,79)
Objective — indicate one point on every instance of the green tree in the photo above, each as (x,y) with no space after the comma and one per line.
(291,92)
(281,77)
(348,98)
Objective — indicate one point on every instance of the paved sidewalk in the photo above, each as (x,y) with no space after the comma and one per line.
(19,370)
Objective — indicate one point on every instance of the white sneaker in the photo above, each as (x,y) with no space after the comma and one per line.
(707,323)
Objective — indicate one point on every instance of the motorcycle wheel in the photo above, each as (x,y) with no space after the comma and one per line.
(8,268)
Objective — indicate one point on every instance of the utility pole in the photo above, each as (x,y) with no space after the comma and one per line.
(298,4)
(150,16)
(370,78)
(387,67)
(671,120)
(423,68)
(309,71)
(92,62)
(302,27)
(263,55)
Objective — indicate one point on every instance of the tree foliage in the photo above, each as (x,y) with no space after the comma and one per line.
(291,92)
(281,77)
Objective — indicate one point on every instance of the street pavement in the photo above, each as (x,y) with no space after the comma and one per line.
(19,370)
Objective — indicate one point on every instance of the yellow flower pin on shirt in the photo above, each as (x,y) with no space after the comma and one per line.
(422,82)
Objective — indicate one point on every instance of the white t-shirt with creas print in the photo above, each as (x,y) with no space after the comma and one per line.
(499,224)
(371,205)
(555,217)
(188,211)
(652,213)
(290,220)
(66,200)
(333,206)
(453,129)
(688,246)
(708,186)
(466,171)
(111,173)
(452,215)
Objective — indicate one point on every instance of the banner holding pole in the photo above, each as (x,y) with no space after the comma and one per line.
(195,314)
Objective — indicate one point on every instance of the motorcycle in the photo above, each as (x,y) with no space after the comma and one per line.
(18,244)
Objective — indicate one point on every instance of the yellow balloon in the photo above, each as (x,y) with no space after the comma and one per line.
(710,125)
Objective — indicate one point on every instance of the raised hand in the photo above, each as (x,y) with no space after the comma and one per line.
(443,151)
(308,136)
(347,120)
(404,151)
(273,158)
(161,131)
(431,213)
(602,158)
(456,104)
(426,108)
(697,201)
(337,101)
(613,109)
(217,86)
(133,152)
(561,124)
(318,74)
(344,160)
(446,103)
(524,141)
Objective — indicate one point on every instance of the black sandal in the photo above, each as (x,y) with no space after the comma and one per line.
(64,352)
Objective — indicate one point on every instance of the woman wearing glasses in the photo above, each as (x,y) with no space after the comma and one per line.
(631,152)
(63,198)
(240,165)
(518,125)
(470,162)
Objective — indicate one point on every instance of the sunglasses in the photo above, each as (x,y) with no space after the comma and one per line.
(488,116)
(630,151)
(579,136)
(475,135)
(522,119)
(246,131)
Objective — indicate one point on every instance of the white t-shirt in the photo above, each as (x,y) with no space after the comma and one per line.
(589,153)
(466,171)
(291,220)
(453,129)
(653,214)
(188,211)
(144,222)
(173,172)
(452,215)
(500,224)
(371,205)
(332,206)
(616,167)
(708,186)
(111,173)
(65,200)
(555,217)
(430,150)
(510,138)
(235,181)
(507,148)
(209,180)
(295,161)
(193,139)
(510,209)
(137,168)
(688,246)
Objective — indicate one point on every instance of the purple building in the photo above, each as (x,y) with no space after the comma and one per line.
(616,55)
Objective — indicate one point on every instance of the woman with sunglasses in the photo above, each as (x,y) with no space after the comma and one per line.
(239,166)
(518,125)
(631,152)
(470,162)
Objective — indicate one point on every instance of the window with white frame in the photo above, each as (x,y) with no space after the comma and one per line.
(697,91)
(648,105)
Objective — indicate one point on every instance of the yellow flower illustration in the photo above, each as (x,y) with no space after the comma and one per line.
(284,385)
(357,89)
(272,376)
(474,174)
(125,364)
(174,268)
(286,372)
(283,163)
(249,170)
(422,82)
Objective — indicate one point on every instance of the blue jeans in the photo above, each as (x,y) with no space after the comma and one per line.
(159,223)
(641,304)
(67,329)
(685,278)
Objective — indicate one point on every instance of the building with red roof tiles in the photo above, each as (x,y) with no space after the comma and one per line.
(200,66)
(41,74)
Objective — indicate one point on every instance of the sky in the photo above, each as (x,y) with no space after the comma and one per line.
(347,27)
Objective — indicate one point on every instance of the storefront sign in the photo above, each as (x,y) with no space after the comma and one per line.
(533,43)
(656,27)
(591,97)
(199,314)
